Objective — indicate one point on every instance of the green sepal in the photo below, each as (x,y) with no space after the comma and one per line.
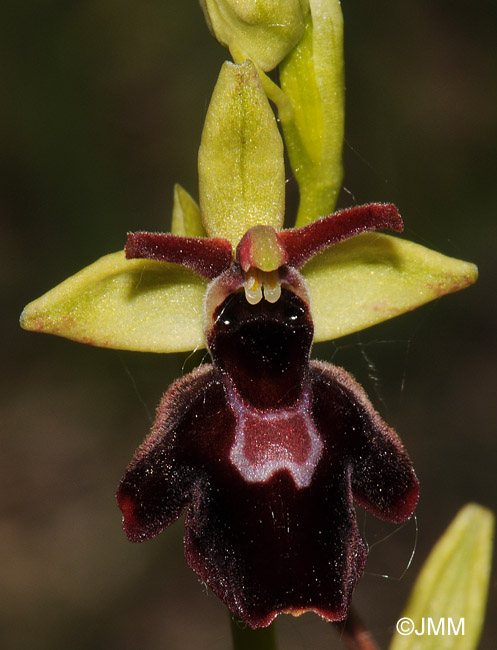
(452,585)
(373,277)
(266,30)
(138,305)
(241,166)
(187,221)
(312,78)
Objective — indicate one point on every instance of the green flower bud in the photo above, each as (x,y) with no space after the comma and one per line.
(264,31)
(452,587)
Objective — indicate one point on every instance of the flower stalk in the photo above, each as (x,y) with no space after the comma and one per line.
(353,633)
(245,638)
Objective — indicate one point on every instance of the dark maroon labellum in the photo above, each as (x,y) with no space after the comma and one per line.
(268,451)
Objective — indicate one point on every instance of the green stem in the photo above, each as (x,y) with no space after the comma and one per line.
(245,638)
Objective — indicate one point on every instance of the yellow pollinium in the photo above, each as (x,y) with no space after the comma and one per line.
(259,283)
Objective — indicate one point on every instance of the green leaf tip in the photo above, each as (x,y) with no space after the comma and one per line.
(138,305)
(241,166)
(452,586)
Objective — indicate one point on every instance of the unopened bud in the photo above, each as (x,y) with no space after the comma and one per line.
(264,31)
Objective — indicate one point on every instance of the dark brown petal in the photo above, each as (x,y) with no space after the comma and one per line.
(303,243)
(207,257)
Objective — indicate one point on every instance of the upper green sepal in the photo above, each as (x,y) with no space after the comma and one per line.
(139,305)
(451,591)
(373,277)
(241,166)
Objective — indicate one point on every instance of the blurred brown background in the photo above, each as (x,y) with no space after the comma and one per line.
(102,109)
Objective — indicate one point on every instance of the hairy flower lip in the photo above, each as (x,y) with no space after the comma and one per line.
(268,547)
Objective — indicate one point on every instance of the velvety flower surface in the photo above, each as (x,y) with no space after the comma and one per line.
(266,450)
(270,523)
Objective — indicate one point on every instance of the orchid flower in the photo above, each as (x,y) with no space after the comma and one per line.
(266,450)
